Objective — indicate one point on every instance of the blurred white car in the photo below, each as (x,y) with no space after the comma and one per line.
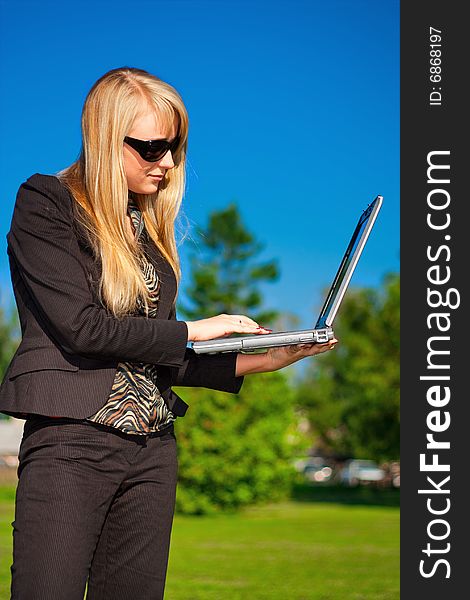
(318,470)
(360,472)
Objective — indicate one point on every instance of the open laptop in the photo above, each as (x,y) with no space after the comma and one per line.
(322,332)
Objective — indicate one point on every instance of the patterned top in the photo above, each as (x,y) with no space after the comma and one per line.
(135,404)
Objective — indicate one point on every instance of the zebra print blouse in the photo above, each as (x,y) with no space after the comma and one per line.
(135,404)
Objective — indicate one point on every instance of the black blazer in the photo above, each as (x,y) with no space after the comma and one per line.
(71,345)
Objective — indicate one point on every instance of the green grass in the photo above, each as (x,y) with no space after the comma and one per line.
(7,513)
(325,545)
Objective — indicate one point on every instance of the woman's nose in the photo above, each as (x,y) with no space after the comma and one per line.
(167,161)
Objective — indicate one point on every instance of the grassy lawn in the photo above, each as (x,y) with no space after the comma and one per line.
(323,545)
(7,511)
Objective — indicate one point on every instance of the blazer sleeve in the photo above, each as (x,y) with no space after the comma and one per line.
(213,371)
(45,248)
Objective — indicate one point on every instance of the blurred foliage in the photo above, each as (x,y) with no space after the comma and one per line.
(237,449)
(10,337)
(351,396)
(234,449)
(224,271)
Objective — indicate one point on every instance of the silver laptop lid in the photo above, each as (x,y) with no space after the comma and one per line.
(348,264)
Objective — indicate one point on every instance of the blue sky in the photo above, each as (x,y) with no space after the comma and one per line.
(293,107)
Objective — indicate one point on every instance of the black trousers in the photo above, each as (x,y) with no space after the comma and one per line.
(92,504)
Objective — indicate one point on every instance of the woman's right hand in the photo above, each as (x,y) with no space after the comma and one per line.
(222,326)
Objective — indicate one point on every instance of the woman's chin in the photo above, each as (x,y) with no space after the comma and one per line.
(146,188)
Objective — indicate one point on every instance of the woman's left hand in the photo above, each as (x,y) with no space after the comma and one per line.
(283,356)
(278,358)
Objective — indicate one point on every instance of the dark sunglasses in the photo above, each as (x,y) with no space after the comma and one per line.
(152,150)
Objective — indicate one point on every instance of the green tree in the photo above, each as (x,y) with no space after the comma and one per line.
(234,449)
(225,273)
(9,339)
(351,396)
(237,449)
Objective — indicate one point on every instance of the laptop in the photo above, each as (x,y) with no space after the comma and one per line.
(322,332)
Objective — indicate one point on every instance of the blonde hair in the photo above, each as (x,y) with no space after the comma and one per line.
(98,183)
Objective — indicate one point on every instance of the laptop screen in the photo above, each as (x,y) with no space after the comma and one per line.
(348,264)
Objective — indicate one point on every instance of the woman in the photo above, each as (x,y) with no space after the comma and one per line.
(95,272)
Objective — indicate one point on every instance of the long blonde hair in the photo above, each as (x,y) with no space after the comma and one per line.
(98,183)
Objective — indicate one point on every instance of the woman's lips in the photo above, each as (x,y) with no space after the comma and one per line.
(158,177)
